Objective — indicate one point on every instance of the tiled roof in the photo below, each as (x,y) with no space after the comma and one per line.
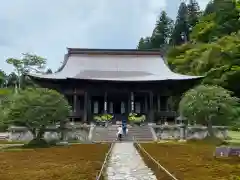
(114,65)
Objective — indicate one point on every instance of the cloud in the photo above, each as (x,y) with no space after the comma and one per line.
(48,27)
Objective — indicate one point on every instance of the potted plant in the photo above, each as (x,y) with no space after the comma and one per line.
(135,118)
(103,119)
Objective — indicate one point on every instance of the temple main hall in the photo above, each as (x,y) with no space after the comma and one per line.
(117,82)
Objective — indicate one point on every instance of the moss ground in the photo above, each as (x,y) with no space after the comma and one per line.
(193,161)
(75,162)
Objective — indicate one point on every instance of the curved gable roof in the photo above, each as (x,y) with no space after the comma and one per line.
(114,65)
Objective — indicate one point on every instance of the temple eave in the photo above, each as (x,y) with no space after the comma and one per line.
(126,79)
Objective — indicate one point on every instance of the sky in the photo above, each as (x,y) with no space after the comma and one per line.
(48,27)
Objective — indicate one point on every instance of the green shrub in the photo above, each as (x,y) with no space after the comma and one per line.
(235,127)
(37,143)
(3,127)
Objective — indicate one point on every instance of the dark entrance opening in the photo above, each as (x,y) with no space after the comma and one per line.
(118,105)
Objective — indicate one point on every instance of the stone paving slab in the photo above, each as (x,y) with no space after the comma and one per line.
(126,163)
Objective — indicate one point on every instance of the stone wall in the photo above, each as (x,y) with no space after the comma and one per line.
(79,133)
(189,132)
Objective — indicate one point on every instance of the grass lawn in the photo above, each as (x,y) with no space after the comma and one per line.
(192,161)
(235,137)
(75,162)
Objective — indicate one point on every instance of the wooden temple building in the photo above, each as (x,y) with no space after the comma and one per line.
(117,82)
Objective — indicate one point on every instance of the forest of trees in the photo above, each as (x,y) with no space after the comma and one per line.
(201,42)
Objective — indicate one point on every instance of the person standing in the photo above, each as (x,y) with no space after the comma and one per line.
(124,127)
(119,133)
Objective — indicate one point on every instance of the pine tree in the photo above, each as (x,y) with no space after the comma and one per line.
(162,31)
(193,13)
(144,43)
(181,26)
(209,8)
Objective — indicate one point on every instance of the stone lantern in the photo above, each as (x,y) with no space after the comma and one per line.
(182,127)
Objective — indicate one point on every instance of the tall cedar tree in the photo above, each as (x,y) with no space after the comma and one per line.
(181,26)
(193,13)
(209,8)
(162,31)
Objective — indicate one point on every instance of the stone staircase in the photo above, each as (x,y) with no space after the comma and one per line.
(108,134)
(141,133)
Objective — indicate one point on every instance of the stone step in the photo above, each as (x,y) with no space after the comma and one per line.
(139,132)
(142,133)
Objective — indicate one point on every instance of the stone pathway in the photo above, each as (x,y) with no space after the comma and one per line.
(126,163)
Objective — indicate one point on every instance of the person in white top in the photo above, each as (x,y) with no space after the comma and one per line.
(119,133)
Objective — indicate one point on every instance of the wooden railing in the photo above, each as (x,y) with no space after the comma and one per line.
(101,174)
(153,163)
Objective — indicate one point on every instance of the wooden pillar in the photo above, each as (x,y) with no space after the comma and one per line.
(85,106)
(168,103)
(75,101)
(159,103)
(146,104)
(129,103)
(132,102)
(105,102)
(151,112)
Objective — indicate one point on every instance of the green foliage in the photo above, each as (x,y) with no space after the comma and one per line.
(221,19)
(209,105)
(103,117)
(167,33)
(134,117)
(5,92)
(35,109)
(219,61)
(210,8)
(181,26)
(162,31)
(2,78)
(160,35)
(29,62)
(193,13)
(203,31)
(144,43)
(37,143)
(12,80)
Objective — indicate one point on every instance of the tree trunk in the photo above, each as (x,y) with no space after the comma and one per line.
(33,131)
(40,134)
(210,128)
(62,130)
